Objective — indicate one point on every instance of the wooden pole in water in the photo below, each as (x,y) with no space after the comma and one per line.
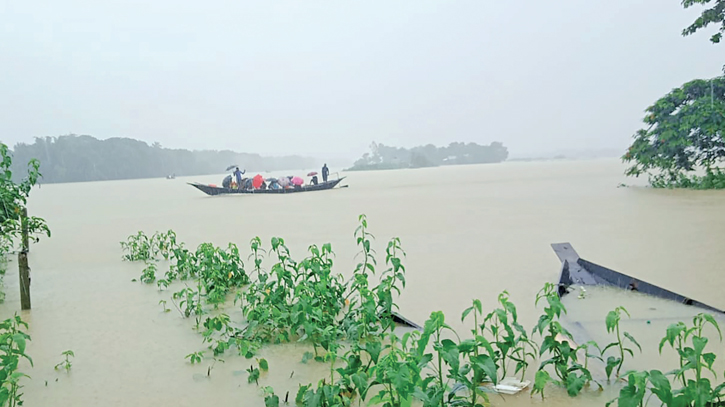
(23,266)
(24,280)
(24,229)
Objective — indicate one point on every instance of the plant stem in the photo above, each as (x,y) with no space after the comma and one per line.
(682,377)
(621,350)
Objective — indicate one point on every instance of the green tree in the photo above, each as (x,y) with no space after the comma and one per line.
(14,198)
(713,15)
(687,125)
(685,133)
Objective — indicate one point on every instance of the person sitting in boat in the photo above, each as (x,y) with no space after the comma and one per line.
(227,181)
(314,181)
(238,175)
(325,172)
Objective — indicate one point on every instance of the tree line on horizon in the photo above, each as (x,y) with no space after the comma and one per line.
(385,157)
(73,158)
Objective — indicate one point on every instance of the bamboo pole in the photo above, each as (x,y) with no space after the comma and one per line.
(23,266)
(24,230)
(24,280)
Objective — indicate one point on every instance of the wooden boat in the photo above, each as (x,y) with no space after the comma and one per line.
(211,189)
(577,271)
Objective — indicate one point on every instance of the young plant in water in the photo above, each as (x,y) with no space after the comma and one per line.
(509,337)
(390,279)
(195,357)
(612,323)
(12,347)
(149,273)
(254,372)
(484,366)
(65,364)
(270,399)
(253,375)
(138,247)
(163,304)
(696,390)
(142,247)
(209,369)
(570,374)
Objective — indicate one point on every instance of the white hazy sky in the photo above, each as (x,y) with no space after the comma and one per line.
(325,78)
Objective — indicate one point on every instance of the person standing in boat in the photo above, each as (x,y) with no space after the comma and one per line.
(325,172)
(238,175)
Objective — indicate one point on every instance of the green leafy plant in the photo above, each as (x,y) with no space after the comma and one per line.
(696,389)
(138,247)
(392,280)
(612,323)
(270,399)
(141,247)
(14,198)
(253,375)
(209,369)
(195,357)
(570,374)
(12,348)
(714,15)
(148,275)
(66,363)
(508,337)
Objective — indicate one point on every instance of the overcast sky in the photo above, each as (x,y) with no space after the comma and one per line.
(325,78)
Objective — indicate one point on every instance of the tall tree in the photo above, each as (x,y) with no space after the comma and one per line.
(714,15)
(686,129)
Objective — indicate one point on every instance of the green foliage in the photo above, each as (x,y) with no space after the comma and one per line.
(13,199)
(270,399)
(349,325)
(685,132)
(714,15)
(685,127)
(612,323)
(12,348)
(508,336)
(74,158)
(195,357)
(66,363)
(253,375)
(392,281)
(148,275)
(384,157)
(696,390)
(570,374)
(141,247)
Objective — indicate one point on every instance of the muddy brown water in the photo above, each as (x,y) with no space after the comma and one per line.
(469,232)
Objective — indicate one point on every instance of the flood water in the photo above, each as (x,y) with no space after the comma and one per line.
(469,232)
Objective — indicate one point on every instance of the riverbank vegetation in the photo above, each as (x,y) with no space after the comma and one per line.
(240,305)
(683,145)
(382,157)
(15,225)
(75,158)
